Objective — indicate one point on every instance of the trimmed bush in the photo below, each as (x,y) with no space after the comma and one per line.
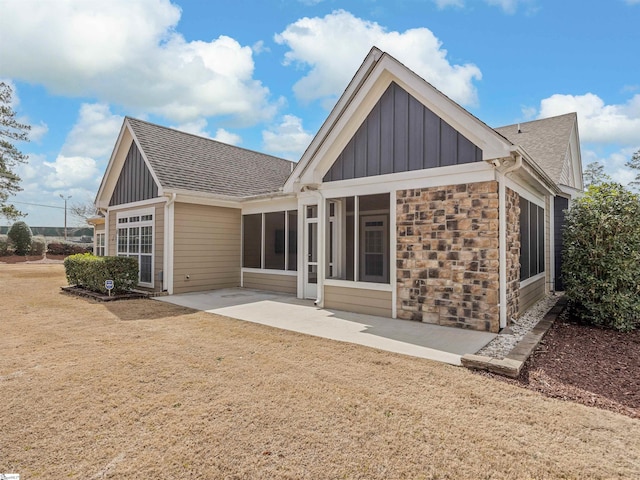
(90,272)
(38,246)
(66,248)
(601,257)
(20,236)
(4,246)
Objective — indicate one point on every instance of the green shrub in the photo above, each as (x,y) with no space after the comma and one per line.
(4,246)
(601,257)
(38,246)
(90,272)
(66,248)
(20,236)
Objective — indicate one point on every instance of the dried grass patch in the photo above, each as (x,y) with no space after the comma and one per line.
(145,389)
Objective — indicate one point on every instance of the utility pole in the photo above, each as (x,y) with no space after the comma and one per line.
(65,214)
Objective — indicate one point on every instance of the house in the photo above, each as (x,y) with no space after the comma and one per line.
(404,205)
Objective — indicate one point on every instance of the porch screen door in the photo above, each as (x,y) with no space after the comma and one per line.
(311,252)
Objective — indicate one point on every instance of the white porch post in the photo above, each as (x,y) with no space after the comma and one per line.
(502,195)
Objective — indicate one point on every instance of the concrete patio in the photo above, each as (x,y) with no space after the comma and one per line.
(443,344)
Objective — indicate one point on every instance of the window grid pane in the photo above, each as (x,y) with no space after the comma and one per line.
(122,240)
(134,240)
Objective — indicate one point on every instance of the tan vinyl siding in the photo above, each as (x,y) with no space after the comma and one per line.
(271,282)
(358,300)
(531,294)
(98,228)
(158,238)
(206,248)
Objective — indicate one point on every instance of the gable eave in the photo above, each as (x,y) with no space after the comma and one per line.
(328,125)
(116,162)
(367,86)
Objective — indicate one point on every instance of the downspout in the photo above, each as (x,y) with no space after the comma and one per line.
(167,261)
(502,195)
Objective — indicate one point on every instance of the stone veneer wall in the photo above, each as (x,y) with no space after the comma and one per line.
(447,255)
(513,254)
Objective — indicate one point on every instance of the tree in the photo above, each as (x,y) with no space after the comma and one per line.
(10,131)
(601,257)
(635,164)
(83,212)
(594,174)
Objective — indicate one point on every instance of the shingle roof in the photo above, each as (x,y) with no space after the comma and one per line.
(188,162)
(546,140)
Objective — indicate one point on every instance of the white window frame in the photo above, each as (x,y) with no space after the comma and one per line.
(139,223)
(339,241)
(100,244)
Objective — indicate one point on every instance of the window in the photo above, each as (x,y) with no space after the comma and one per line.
(270,240)
(531,239)
(292,248)
(135,239)
(252,240)
(100,244)
(358,240)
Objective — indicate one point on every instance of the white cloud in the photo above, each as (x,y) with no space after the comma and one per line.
(94,133)
(289,137)
(69,172)
(39,130)
(333,47)
(195,127)
(227,137)
(614,163)
(632,2)
(129,53)
(597,121)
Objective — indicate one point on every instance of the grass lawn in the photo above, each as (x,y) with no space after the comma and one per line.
(144,389)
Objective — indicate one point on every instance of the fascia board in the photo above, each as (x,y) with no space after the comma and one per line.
(493,145)
(380,76)
(146,160)
(574,143)
(116,162)
(107,174)
(328,125)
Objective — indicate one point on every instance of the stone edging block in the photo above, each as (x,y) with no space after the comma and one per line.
(511,365)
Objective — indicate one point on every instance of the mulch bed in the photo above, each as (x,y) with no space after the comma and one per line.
(21,258)
(101,297)
(585,364)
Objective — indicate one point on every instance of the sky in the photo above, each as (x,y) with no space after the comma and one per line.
(264,74)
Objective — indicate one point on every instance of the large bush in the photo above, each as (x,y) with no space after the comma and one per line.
(4,246)
(38,246)
(601,258)
(90,272)
(20,236)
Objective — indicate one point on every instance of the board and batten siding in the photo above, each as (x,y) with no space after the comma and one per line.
(400,134)
(271,282)
(531,294)
(560,205)
(135,182)
(158,239)
(206,248)
(358,300)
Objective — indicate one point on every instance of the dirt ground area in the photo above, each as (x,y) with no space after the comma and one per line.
(145,389)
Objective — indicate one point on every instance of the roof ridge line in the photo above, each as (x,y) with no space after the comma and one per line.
(127,117)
